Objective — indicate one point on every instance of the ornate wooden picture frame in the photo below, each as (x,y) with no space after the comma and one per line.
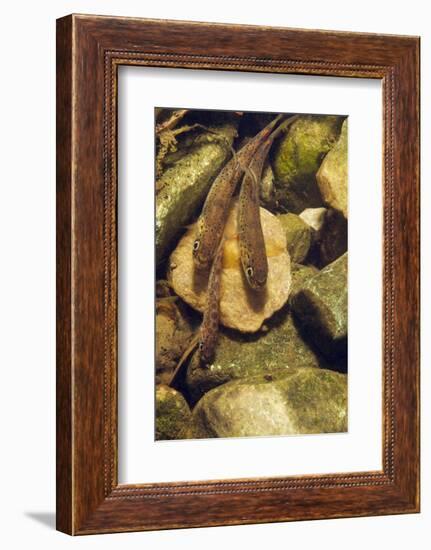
(89,51)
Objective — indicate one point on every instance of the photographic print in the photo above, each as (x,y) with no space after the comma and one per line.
(251,225)
(205,281)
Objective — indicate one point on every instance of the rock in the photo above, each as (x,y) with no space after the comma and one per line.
(331,240)
(299,401)
(298,236)
(185,185)
(300,273)
(173,334)
(241,307)
(329,236)
(271,351)
(320,305)
(172,414)
(332,175)
(297,158)
(314,217)
(267,187)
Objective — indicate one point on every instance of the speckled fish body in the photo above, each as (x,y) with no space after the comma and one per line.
(210,323)
(216,208)
(251,241)
(207,335)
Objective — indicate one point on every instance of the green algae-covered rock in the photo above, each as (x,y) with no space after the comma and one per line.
(172,414)
(332,175)
(320,305)
(297,158)
(298,236)
(185,185)
(272,350)
(300,273)
(299,401)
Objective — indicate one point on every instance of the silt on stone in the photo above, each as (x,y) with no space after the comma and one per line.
(273,350)
(298,236)
(320,306)
(172,414)
(299,401)
(300,273)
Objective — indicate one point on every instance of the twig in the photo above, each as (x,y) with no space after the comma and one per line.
(171,122)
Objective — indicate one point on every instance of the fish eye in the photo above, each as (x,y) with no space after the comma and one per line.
(249,271)
(201,346)
(196,244)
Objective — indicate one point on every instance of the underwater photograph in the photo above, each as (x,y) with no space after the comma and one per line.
(251,291)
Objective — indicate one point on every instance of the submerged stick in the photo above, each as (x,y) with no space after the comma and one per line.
(194,342)
(172,121)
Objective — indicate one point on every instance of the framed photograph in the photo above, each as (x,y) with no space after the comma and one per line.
(237,274)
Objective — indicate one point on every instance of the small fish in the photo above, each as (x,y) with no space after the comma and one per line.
(207,335)
(251,241)
(209,327)
(216,208)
